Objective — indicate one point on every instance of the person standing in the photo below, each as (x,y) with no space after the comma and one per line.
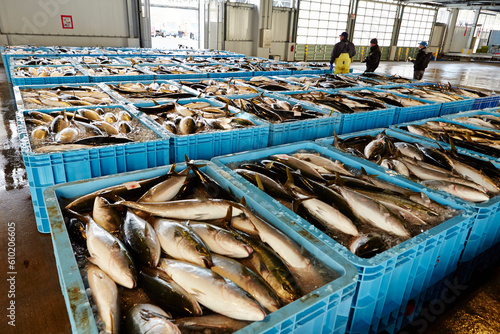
(420,63)
(342,54)
(373,59)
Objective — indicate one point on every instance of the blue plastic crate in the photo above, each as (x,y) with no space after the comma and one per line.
(454,107)
(125,100)
(486,102)
(20,102)
(21,81)
(408,114)
(325,310)
(388,280)
(404,114)
(355,121)
(46,169)
(290,132)
(485,232)
(210,144)
(115,78)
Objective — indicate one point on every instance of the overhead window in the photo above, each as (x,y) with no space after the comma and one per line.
(416,25)
(374,20)
(321,21)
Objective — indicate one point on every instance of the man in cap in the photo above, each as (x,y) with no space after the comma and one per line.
(420,63)
(342,54)
(373,58)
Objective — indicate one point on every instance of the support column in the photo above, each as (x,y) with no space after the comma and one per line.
(470,42)
(395,32)
(452,23)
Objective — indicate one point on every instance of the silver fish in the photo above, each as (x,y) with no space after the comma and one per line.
(247,280)
(222,241)
(109,254)
(181,242)
(166,190)
(190,209)
(105,215)
(213,291)
(149,319)
(105,295)
(141,239)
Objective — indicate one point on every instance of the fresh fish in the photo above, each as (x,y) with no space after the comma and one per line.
(215,322)
(181,242)
(272,269)
(59,123)
(149,319)
(367,245)
(460,190)
(213,291)
(298,164)
(332,166)
(375,148)
(141,239)
(40,132)
(286,248)
(105,295)
(267,184)
(476,176)
(247,280)
(329,216)
(190,209)
(166,190)
(105,215)
(373,212)
(409,150)
(168,294)
(67,135)
(221,241)
(109,254)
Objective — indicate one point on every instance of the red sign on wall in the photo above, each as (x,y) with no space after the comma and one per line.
(67,21)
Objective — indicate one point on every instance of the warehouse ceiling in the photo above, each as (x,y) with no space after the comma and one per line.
(472,4)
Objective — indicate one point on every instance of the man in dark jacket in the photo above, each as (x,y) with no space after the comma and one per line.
(373,58)
(420,63)
(342,54)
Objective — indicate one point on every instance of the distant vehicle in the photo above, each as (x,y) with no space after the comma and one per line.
(153,31)
(161,33)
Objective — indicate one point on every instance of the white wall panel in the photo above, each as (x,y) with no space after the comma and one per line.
(280,25)
(239,23)
(90,17)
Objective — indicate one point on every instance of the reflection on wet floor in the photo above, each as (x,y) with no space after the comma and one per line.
(12,171)
(479,75)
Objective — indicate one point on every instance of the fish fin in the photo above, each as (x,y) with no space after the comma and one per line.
(229,216)
(425,198)
(172,169)
(243,201)
(335,139)
(197,292)
(269,165)
(156,103)
(363,172)
(259,183)
(289,179)
(453,149)
(199,95)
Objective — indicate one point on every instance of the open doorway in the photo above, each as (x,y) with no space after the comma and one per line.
(175,24)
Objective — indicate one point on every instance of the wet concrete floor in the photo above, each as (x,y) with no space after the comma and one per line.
(38,302)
